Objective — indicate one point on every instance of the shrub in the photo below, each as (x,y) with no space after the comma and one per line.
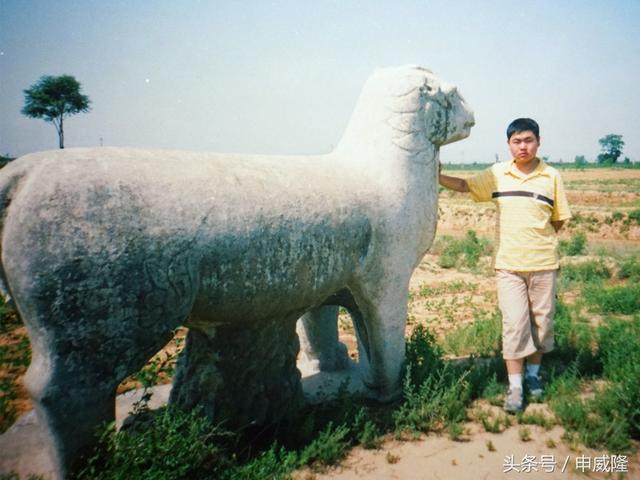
(621,355)
(438,402)
(274,464)
(490,422)
(328,448)
(493,391)
(435,395)
(366,431)
(617,216)
(423,356)
(173,445)
(575,341)
(623,299)
(598,422)
(634,216)
(483,376)
(589,271)
(482,337)
(619,346)
(8,395)
(537,418)
(463,252)
(630,269)
(612,416)
(576,245)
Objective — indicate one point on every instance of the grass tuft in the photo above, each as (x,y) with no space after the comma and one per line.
(462,253)
(576,245)
(624,299)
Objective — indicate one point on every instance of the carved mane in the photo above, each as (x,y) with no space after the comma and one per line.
(395,103)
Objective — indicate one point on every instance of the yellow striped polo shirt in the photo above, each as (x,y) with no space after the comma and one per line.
(526,203)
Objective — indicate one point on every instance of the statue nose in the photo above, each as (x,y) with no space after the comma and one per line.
(471,121)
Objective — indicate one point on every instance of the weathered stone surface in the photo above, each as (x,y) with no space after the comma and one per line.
(320,348)
(106,251)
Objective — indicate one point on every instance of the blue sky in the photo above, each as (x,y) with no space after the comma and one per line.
(283,76)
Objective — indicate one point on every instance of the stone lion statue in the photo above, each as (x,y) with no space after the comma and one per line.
(106,251)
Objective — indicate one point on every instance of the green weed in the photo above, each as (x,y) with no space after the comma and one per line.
(173,445)
(367,432)
(15,356)
(392,458)
(576,245)
(624,299)
(435,396)
(575,340)
(634,216)
(589,271)
(456,430)
(490,422)
(449,287)
(630,269)
(482,337)
(620,352)
(438,402)
(611,416)
(423,355)
(493,391)
(328,448)
(8,413)
(537,418)
(525,434)
(463,253)
(614,217)
(276,463)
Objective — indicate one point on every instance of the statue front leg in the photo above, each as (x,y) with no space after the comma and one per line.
(381,335)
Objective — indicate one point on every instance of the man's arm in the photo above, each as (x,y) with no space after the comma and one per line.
(453,183)
(557,224)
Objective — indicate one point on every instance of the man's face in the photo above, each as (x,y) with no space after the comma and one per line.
(523,146)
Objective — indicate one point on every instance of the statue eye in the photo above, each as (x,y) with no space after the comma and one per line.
(425,90)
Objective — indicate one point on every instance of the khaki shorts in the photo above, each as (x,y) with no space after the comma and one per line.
(527,302)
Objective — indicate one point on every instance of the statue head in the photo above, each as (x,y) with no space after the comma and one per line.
(427,106)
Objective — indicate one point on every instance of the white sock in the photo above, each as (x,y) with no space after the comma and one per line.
(515,380)
(533,369)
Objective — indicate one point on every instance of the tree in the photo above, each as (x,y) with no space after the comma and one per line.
(53,99)
(612,146)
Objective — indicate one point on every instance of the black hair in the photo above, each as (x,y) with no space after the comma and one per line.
(522,125)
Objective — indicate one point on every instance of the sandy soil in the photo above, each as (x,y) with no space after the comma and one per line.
(481,455)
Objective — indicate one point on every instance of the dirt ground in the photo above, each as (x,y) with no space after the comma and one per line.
(594,196)
(599,200)
(479,454)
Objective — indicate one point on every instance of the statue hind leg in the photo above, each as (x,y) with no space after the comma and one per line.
(85,341)
(72,383)
(320,348)
(70,410)
(241,373)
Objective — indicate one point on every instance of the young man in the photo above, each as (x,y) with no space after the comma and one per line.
(532,207)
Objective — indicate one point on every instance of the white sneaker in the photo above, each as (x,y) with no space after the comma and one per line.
(514,401)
